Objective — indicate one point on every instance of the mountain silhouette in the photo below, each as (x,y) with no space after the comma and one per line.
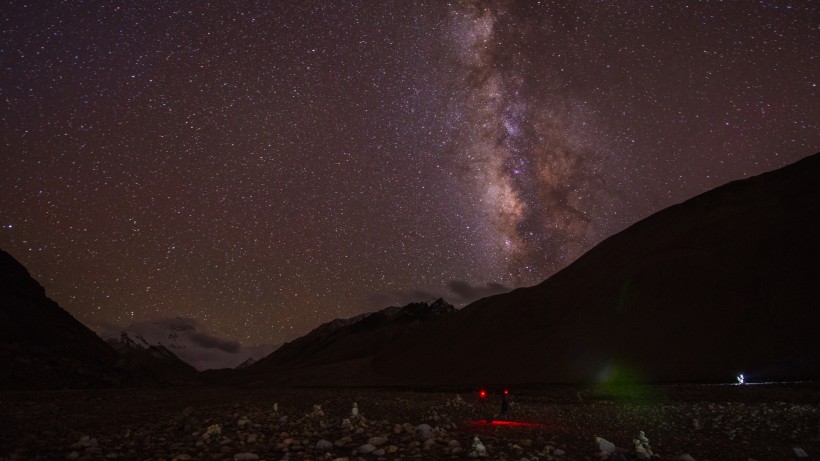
(42,345)
(727,282)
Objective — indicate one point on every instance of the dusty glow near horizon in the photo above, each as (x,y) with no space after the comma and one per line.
(262,168)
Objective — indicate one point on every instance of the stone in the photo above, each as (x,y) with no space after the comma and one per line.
(479,450)
(642,438)
(605,445)
(245,457)
(453,443)
(243,421)
(252,438)
(213,429)
(425,431)
(378,452)
(72,456)
(366,449)
(324,445)
(317,412)
(377,441)
(392,449)
(559,452)
(685,457)
(343,441)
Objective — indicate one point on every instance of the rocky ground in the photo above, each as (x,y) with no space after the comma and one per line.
(761,422)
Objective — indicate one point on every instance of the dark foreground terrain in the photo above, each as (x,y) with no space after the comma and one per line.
(761,422)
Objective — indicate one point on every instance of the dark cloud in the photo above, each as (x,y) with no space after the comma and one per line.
(467,293)
(190,341)
(212,342)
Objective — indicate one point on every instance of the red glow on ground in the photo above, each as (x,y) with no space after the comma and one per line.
(482,394)
(484,422)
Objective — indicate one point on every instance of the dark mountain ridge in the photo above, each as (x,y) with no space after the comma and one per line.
(721,284)
(43,347)
(325,355)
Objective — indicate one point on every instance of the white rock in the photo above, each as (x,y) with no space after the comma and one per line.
(642,438)
(605,445)
(479,450)
(355,410)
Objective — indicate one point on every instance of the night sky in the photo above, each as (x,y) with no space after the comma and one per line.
(262,167)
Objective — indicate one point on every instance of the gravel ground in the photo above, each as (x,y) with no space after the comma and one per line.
(760,422)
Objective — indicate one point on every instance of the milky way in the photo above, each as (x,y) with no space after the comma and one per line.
(534,167)
(260,168)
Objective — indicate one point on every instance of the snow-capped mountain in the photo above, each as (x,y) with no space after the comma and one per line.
(187,340)
(155,361)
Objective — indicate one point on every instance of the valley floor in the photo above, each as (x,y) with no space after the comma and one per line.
(761,422)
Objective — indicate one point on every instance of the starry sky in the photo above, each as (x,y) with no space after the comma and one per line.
(263,167)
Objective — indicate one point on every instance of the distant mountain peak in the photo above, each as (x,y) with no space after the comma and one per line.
(248,362)
(355,338)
